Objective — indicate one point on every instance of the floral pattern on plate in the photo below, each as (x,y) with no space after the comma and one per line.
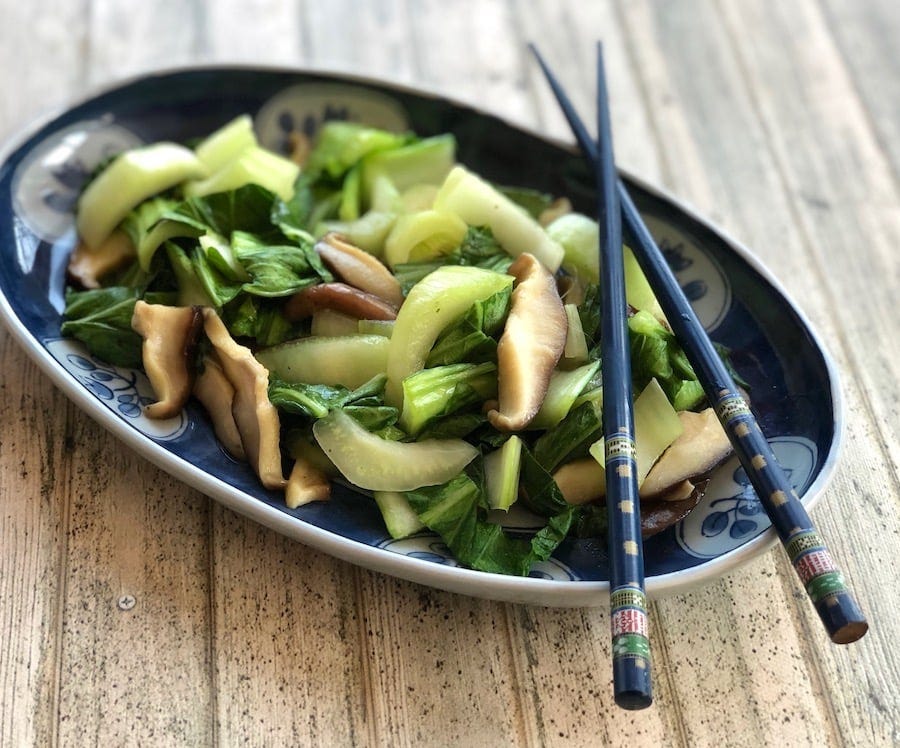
(124,391)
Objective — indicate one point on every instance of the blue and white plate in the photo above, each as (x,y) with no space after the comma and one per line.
(794,388)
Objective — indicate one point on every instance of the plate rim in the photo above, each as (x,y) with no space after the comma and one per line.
(561,593)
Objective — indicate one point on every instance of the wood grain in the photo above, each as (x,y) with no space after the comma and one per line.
(778,120)
(286,655)
(35,441)
(726,104)
(34,452)
(135,661)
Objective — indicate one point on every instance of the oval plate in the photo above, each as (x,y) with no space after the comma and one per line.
(793,382)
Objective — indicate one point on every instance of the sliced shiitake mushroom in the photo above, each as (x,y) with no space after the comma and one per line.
(301,146)
(256,418)
(306,483)
(87,266)
(170,334)
(581,481)
(338,297)
(559,207)
(216,394)
(656,516)
(358,268)
(531,345)
(701,446)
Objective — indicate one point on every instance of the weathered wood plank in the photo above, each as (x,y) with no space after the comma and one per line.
(133,674)
(472,52)
(846,195)
(135,658)
(263,32)
(369,39)
(288,657)
(853,241)
(867,34)
(130,38)
(39,60)
(286,630)
(728,151)
(35,449)
(440,669)
(566,33)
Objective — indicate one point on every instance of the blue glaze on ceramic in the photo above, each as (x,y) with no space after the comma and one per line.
(793,385)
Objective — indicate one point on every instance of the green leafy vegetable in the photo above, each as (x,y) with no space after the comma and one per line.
(456,426)
(101,319)
(294,216)
(534,202)
(191,290)
(340,145)
(472,337)
(478,248)
(277,270)
(655,353)
(725,354)
(387,173)
(248,208)
(589,312)
(538,489)
(571,438)
(379,419)
(139,221)
(592,521)
(430,394)
(316,400)
(218,287)
(453,510)
(260,319)
(565,388)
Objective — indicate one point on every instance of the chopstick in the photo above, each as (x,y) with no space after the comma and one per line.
(806,549)
(628,602)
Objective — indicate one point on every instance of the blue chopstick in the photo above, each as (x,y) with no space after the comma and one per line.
(632,687)
(824,583)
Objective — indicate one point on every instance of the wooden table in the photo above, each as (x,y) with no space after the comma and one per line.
(134,610)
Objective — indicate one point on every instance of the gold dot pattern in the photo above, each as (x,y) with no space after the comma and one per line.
(779,498)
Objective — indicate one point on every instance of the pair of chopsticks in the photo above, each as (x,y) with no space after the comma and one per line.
(805,547)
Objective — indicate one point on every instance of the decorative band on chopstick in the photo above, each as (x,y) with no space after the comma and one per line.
(814,566)
(620,447)
(732,407)
(630,625)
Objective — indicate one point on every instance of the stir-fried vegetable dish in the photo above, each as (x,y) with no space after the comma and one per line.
(367,309)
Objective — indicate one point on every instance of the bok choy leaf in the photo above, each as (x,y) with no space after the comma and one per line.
(452,510)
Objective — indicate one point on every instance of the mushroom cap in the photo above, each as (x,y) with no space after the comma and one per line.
(532,343)
(306,483)
(256,418)
(216,394)
(701,446)
(87,266)
(338,297)
(358,268)
(170,334)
